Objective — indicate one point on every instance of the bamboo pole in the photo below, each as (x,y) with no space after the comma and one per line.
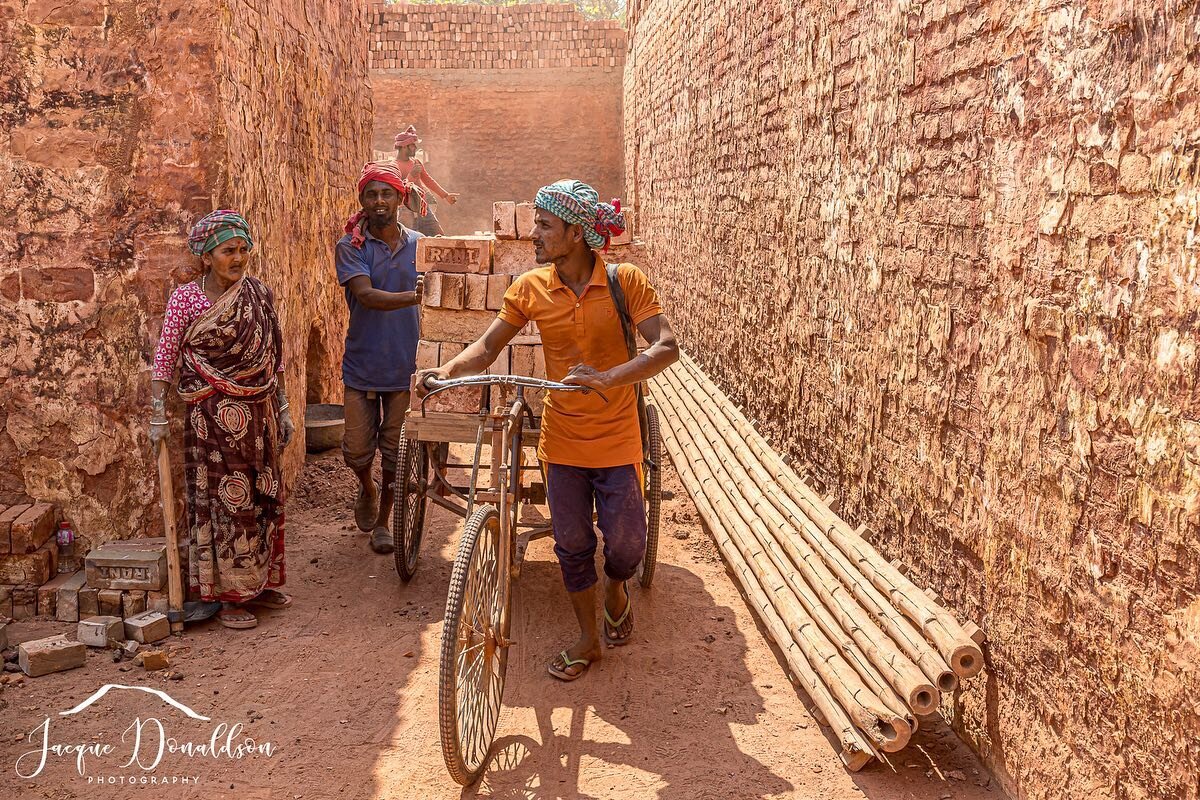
(856,751)
(895,624)
(961,653)
(873,653)
(885,728)
(776,543)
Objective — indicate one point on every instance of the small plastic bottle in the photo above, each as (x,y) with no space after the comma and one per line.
(66,546)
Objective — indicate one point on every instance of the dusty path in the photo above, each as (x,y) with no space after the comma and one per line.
(345,687)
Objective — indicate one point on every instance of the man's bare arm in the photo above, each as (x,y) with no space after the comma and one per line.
(380,300)
(662,353)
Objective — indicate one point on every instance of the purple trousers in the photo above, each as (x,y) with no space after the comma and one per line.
(616,495)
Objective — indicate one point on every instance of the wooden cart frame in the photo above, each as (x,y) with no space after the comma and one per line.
(475,635)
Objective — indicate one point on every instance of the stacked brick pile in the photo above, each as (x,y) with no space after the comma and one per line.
(122,578)
(533,36)
(28,556)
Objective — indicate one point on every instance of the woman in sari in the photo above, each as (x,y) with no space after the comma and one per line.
(222,333)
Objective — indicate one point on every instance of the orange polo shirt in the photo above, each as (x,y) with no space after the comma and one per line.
(581,430)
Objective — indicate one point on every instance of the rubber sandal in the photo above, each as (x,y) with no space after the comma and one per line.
(270,598)
(366,508)
(612,638)
(568,662)
(225,618)
(382,541)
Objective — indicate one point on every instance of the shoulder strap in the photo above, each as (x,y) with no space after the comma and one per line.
(618,297)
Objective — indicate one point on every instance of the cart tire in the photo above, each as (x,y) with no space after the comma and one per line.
(408,510)
(653,499)
(472,669)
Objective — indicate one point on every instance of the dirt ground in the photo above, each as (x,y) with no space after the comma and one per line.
(344,687)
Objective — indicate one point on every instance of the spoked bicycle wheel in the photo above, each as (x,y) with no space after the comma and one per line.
(408,511)
(474,655)
(653,498)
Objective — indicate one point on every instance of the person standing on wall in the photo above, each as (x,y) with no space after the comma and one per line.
(591,450)
(222,334)
(414,171)
(377,264)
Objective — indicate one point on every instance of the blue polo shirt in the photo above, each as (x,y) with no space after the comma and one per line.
(381,346)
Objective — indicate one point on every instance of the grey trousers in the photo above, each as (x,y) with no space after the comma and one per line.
(373,421)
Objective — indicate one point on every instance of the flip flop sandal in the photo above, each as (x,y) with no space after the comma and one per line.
(270,598)
(365,509)
(614,625)
(568,662)
(229,618)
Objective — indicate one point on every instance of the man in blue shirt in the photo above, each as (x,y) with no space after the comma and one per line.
(377,263)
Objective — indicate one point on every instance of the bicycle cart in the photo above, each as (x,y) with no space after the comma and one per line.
(474,652)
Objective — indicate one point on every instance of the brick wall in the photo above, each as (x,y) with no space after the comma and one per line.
(956,243)
(506,99)
(120,125)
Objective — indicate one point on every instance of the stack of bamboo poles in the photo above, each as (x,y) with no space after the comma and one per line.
(873,651)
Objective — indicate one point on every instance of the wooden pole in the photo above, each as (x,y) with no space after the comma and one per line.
(961,653)
(166,492)
(875,657)
(758,461)
(856,750)
(886,728)
(906,635)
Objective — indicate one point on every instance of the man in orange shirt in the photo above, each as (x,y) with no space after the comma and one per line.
(592,450)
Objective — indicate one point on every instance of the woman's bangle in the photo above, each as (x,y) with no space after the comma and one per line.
(284,407)
(159,422)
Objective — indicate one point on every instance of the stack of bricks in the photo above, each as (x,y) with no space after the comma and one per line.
(531,36)
(121,579)
(28,556)
(465,281)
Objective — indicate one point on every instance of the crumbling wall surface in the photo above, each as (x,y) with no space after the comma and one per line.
(121,123)
(953,244)
(506,99)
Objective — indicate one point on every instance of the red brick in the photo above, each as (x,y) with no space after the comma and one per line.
(455,254)
(427,354)
(445,325)
(525,215)
(431,289)
(477,292)
(454,290)
(514,258)
(504,219)
(496,287)
(30,568)
(58,284)
(7,518)
(10,286)
(32,528)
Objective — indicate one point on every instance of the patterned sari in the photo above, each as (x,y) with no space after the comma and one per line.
(228,373)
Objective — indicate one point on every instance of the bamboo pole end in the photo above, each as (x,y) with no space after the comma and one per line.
(966,660)
(855,759)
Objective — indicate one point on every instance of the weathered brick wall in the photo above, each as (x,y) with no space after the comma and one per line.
(506,99)
(121,123)
(954,245)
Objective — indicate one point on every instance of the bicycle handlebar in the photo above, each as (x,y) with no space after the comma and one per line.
(435,386)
